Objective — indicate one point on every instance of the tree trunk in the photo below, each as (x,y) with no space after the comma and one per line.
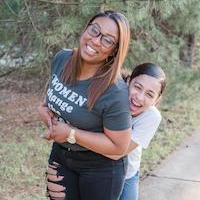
(187,51)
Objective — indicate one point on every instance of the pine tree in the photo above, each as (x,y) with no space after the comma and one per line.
(159,27)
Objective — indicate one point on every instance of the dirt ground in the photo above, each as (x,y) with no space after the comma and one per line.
(19,97)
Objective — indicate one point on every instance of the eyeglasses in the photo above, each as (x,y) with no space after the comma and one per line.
(106,40)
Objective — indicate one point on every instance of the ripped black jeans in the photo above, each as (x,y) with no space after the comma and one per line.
(83,175)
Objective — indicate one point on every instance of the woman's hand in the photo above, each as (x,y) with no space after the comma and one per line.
(59,133)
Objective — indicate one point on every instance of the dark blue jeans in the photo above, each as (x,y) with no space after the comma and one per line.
(84,175)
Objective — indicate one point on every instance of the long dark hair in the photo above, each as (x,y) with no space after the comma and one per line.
(151,70)
(108,73)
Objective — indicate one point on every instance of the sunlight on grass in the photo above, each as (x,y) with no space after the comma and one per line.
(23,165)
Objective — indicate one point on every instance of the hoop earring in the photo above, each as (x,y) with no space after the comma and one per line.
(110,59)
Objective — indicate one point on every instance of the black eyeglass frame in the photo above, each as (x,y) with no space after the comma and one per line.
(102,35)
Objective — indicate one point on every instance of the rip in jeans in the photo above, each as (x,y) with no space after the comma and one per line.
(55,190)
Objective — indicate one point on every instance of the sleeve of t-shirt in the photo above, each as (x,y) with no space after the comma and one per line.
(117,115)
(145,128)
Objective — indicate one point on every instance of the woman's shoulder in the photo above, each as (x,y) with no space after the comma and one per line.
(116,94)
(59,60)
(62,54)
(118,86)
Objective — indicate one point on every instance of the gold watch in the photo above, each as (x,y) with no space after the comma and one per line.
(71,138)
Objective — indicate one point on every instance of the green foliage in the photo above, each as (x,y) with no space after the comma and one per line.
(10,7)
(157,27)
(90,7)
(187,20)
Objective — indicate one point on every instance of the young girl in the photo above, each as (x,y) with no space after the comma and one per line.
(146,85)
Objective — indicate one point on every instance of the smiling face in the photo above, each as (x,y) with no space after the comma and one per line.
(92,49)
(144,91)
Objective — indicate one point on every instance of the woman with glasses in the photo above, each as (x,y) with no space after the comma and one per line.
(86,91)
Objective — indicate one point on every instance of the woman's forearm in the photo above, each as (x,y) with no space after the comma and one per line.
(131,147)
(110,142)
(115,143)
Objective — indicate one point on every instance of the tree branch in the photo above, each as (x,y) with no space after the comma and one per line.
(30,17)
(8,72)
(59,2)
(12,11)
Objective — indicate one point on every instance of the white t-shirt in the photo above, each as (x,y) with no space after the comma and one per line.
(144,127)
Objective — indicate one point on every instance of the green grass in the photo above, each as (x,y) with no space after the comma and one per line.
(23,162)
(23,154)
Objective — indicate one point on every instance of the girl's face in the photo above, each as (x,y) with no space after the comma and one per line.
(99,40)
(144,92)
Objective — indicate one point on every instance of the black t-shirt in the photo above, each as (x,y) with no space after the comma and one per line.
(111,110)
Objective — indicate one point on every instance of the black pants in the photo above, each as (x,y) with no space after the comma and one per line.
(85,175)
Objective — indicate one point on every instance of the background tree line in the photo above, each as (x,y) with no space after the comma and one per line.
(163,31)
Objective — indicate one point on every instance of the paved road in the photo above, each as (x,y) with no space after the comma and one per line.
(178,176)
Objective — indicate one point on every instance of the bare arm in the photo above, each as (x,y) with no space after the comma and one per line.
(110,142)
(133,145)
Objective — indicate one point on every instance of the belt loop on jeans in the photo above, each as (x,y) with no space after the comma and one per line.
(68,149)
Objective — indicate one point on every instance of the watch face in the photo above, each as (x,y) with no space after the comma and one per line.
(71,140)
